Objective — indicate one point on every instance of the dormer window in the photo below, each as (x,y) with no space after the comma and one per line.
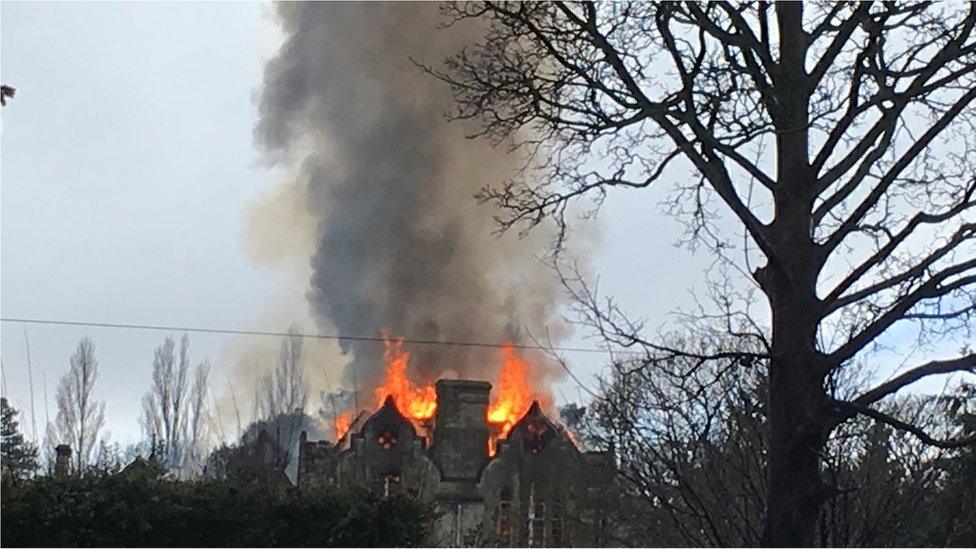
(535,432)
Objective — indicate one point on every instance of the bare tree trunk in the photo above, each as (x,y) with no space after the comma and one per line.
(796,438)
(797,406)
(797,398)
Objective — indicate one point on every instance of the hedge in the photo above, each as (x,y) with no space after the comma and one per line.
(113,510)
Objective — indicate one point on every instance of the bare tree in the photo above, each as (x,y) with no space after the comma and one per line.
(284,397)
(161,405)
(80,417)
(172,411)
(284,389)
(197,426)
(692,450)
(838,137)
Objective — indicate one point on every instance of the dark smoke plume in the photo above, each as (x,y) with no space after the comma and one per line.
(400,241)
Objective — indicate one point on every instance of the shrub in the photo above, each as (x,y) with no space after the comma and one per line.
(116,510)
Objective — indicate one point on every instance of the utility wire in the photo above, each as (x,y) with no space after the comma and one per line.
(336,337)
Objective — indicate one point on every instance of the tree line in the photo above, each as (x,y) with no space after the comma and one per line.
(181,429)
(691,446)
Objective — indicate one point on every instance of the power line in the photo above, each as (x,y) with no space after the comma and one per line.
(336,337)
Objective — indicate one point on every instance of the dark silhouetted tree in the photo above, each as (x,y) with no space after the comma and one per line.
(18,457)
(838,137)
(691,444)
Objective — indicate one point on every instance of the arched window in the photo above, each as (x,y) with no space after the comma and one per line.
(505,517)
(556,531)
(537,522)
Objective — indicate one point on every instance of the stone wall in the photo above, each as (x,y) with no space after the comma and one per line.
(460,431)
(541,491)
(538,490)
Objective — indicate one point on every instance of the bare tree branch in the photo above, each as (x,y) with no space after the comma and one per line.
(965,363)
(853,408)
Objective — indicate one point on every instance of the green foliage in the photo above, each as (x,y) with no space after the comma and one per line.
(133,510)
(17,456)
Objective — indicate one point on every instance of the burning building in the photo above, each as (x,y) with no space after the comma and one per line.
(534,487)
(500,471)
(380,188)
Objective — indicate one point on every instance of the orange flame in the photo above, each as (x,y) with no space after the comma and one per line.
(342,424)
(572,438)
(417,402)
(513,395)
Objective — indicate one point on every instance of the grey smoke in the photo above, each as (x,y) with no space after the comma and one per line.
(400,241)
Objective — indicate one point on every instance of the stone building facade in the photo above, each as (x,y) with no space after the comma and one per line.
(538,490)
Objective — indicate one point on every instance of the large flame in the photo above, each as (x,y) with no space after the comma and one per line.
(513,395)
(341,424)
(418,402)
(513,392)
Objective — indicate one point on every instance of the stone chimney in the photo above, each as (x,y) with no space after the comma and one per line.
(62,461)
(461,429)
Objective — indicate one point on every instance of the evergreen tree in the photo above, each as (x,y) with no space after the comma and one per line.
(18,457)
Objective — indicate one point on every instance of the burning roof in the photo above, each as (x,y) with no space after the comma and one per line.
(514,396)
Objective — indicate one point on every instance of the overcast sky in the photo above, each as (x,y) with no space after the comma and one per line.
(128,170)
